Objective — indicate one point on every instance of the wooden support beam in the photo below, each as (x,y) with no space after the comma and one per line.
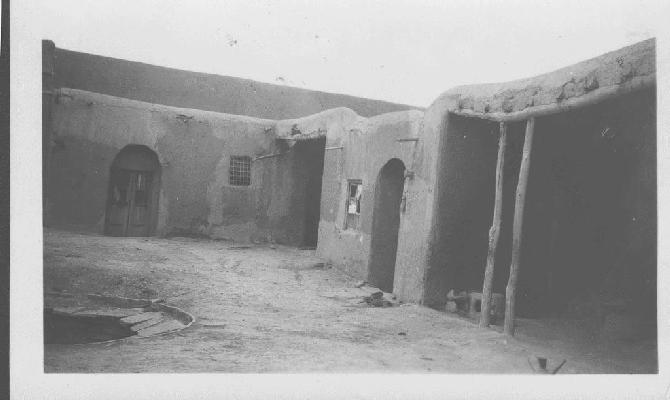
(494,232)
(517,228)
(267,156)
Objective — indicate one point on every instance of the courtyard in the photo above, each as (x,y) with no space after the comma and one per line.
(262,308)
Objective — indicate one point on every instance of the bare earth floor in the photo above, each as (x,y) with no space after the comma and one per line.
(277,309)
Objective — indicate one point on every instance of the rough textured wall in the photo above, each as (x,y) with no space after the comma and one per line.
(172,87)
(616,72)
(194,149)
(367,145)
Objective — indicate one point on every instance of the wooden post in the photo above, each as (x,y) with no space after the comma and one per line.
(494,232)
(517,228)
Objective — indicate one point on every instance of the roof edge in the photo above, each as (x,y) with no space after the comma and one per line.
(588,82)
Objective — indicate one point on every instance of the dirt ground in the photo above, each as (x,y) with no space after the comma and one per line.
(279,309)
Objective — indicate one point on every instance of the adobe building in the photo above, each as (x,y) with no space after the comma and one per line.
(590,232)
(396,195)
(134,149)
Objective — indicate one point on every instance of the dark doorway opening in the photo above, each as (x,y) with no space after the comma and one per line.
(132,200)
(465,187)
(590,241)
(385,224)
(309,156)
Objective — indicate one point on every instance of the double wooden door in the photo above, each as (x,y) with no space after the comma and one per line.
(130,203)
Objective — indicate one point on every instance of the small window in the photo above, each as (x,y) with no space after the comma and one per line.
(240,171)
(353,206)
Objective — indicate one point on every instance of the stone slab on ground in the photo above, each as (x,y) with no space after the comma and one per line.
(106,312)
(146,324)
(141,317)
(165,326)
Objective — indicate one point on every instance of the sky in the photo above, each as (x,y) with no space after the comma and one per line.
(396,50)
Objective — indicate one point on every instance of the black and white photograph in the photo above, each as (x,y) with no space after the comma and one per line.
(376,199)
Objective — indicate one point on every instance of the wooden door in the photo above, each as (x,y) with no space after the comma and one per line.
(117,218)
(140,202)
(130,200)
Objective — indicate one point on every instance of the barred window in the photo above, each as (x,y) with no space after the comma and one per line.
(240,171)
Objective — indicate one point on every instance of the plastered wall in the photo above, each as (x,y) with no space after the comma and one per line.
(225,94)
(358,148)
(194,149)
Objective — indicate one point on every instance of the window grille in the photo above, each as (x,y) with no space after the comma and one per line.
(240,171)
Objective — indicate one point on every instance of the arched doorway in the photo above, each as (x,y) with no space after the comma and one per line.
(385,224)
(132,200)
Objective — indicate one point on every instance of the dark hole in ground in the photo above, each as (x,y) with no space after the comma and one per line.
(71,329)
